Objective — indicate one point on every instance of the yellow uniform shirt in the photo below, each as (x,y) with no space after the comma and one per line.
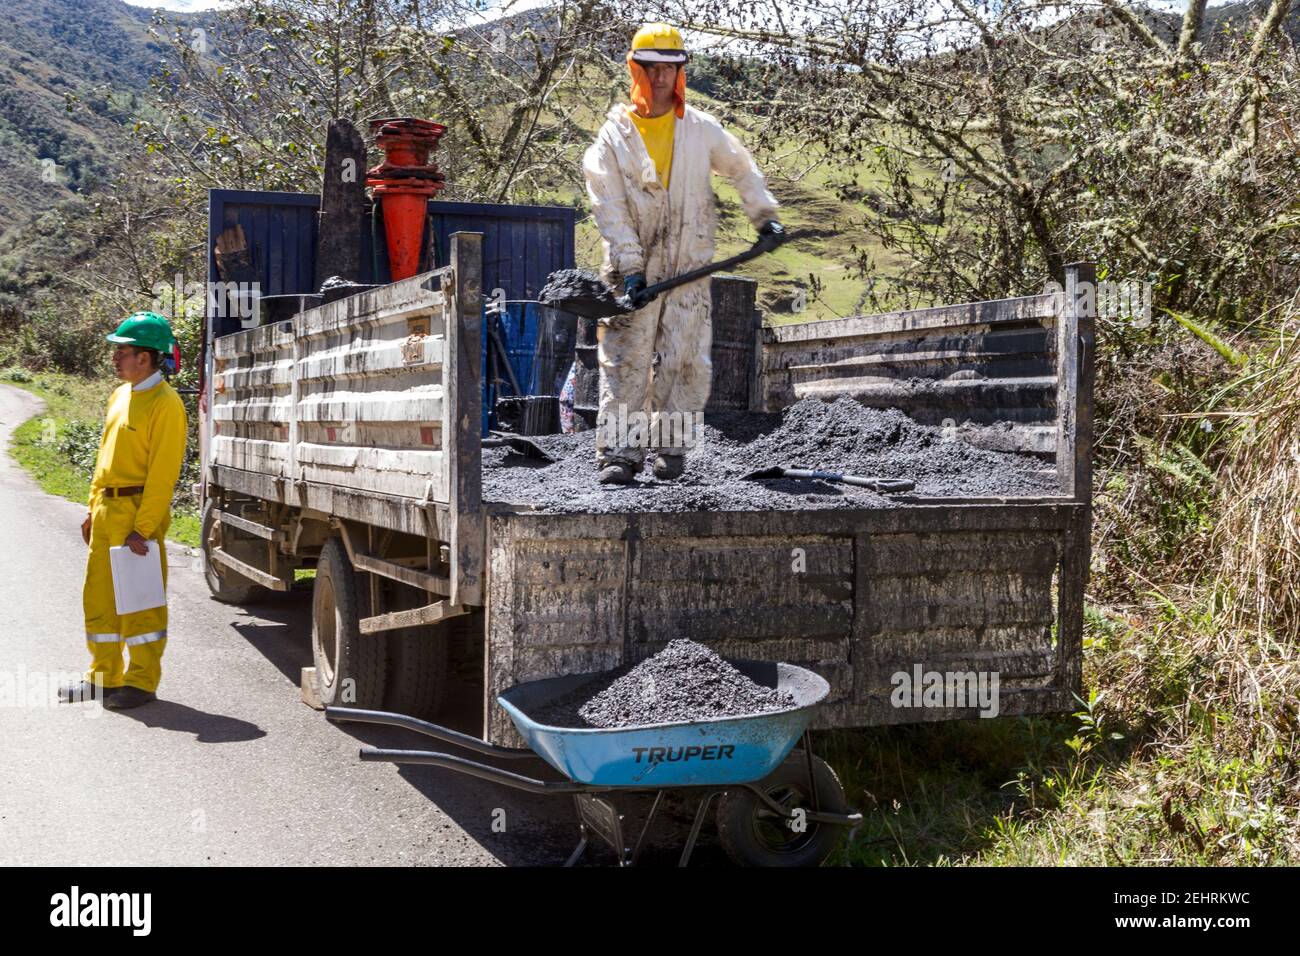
(143,444)
(657,134)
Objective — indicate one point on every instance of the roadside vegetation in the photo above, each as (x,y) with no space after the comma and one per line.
(58,447)
(1113,136)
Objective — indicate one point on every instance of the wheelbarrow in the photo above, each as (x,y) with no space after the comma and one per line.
(777,806)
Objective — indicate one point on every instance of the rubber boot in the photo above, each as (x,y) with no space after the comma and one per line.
(616,474)
(668,467)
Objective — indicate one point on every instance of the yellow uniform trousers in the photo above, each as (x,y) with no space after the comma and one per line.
(144,633)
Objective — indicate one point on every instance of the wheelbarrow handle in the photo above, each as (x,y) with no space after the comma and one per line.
(474,769)
(445,734)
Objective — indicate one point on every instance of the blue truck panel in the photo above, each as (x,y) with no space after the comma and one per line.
(522,245)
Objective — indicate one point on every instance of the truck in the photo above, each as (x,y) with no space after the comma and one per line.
(347,438)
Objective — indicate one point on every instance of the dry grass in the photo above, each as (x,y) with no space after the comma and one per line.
(1259,532)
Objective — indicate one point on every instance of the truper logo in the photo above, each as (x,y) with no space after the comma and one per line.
(660,754)
(103,909)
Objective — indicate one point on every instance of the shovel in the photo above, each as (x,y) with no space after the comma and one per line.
(603,304)
(517,443)
(883,485)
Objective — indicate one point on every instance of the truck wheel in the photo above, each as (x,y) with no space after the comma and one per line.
(226,585)
(350,666)
(417,658)
(754,835)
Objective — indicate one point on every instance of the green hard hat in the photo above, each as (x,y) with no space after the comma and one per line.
(146,330)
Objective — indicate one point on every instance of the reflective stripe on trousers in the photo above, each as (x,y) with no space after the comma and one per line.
(146,638)
(109,634)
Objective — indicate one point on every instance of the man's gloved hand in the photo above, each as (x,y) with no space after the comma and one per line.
(771,235)
(85,529)
(633,286)
(137,543)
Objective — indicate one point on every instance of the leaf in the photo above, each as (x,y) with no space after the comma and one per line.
(1209,338)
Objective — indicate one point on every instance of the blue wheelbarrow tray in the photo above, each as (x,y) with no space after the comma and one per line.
(715,752)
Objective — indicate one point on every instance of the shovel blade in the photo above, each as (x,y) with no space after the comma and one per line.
(518,444)
(590,308)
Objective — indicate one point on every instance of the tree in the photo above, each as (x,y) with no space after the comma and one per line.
(248,106)
(1007,137)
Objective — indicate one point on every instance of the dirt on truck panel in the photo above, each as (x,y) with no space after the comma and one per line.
(685,682)
(841,436)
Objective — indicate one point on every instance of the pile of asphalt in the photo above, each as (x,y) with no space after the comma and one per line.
(568,284)
(684,682)
(841,436)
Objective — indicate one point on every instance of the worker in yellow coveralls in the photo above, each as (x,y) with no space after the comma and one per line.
(139,462)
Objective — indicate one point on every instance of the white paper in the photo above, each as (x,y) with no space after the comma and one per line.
(137,578)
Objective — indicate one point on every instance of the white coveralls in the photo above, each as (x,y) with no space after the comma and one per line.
(657,359)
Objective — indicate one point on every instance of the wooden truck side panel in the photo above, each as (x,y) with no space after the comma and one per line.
(855,595)
(351,409)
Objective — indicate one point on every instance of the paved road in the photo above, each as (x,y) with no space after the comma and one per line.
(229,766)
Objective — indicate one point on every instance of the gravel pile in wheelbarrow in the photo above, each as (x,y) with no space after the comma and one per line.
(683,683)
(841,436)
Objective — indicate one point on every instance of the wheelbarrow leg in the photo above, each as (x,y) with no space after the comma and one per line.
(695,828)
(581,848)
(640,840)
(812,777)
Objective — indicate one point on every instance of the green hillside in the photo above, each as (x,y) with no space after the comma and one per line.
(72,75)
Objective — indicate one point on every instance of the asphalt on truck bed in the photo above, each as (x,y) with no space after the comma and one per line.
(841,436)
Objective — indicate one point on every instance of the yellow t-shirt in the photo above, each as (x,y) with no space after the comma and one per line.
(143,443)
(657,134)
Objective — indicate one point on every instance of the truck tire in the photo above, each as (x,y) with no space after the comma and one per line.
(752,835)
(226,585)
(350,666)
(417,658)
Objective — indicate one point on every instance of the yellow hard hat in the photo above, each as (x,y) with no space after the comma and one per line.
(658,43)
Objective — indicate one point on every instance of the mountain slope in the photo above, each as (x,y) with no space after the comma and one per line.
(94,56)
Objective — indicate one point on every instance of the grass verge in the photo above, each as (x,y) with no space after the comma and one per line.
(57,447)
(1186,752)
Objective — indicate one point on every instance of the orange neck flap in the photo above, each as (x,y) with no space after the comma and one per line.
(641,95)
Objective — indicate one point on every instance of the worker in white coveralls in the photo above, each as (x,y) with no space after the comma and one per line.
(648,176)
(140,455)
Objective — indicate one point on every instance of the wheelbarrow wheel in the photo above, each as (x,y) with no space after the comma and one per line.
(753,834)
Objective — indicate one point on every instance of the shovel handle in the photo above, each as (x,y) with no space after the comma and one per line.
(753,252)
(875,484)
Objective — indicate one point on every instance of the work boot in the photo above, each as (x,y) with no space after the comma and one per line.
(83,691)
(668,467)
(617,473)
(128,697)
